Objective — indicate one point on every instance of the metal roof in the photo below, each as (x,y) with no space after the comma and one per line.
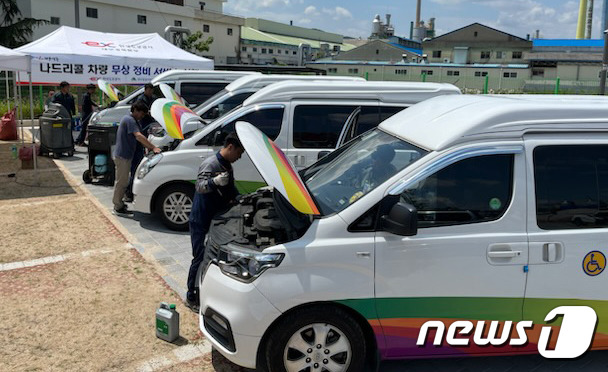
(409,64)
(249,33)
(441,122)
(568,43)
(413,50)
(402,92)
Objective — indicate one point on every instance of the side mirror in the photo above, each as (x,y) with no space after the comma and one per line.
(322,154)
(112,104)
(401,220)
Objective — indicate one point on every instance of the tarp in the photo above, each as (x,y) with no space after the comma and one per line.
(82,56)
(12,60)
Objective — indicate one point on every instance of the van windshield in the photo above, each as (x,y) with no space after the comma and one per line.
(366,163)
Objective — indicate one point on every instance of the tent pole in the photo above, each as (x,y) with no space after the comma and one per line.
(20,106)
(32,118)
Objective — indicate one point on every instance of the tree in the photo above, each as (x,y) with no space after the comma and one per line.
(193,43)
(15,33)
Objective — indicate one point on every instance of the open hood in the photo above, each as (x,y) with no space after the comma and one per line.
(275,168)
(171,94)
(110,90)
(175,118)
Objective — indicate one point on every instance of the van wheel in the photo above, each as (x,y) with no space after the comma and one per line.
(174,204)
(316,339)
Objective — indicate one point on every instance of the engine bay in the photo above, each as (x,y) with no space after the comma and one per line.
(259,220)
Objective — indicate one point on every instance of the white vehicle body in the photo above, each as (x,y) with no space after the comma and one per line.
(234,94)
(195,86)
(479,225)
(307,119)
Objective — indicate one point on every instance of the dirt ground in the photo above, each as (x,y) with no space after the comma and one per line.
(93,311)
(17,183)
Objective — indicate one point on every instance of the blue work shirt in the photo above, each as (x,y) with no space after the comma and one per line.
(125,137)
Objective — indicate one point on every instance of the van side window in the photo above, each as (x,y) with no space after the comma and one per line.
(319,126)
(228,104)
(571,184)
(371,117)
(156,92)
(470,191)
(269,121)
(197,93)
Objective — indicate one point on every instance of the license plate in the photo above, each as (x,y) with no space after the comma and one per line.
(57,125)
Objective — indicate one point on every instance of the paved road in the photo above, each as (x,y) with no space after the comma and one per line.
(172,250)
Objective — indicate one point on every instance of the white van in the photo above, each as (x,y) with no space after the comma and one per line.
(307,119)
(461,210)
(233,95)
(195,86)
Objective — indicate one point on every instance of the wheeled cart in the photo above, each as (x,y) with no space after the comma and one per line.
(101,166)
(56,132)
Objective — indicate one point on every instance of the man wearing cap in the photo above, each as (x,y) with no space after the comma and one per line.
(87,108)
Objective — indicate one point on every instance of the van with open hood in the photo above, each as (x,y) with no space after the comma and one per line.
(455,215)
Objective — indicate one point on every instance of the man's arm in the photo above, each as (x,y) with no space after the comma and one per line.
(147,144)
(204,180)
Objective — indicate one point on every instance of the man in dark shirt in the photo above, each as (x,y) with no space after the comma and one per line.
(64,98)
(127,136)
(147,97)
(215,190)
(87,111)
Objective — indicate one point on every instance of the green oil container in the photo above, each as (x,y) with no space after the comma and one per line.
(167,322)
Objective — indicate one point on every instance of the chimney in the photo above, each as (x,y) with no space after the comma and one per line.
(582,18)
(418,5)
(291,23)
(388,20)
(537,34)
(527,36)
(589,20)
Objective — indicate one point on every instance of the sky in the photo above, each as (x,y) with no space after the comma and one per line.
(556,19)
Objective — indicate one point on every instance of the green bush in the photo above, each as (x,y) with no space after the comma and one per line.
(25,107)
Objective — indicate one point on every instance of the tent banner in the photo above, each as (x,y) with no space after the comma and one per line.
(80,70)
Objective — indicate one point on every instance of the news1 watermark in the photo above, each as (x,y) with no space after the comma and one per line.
(574,339)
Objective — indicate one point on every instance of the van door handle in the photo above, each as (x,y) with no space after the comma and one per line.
(504,254)
(364,254)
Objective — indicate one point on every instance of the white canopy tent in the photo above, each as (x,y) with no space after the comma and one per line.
(82,56)
(16,61)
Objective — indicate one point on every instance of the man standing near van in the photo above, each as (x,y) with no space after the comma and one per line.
(148,98)
(65,99)
(88,105)
(127,136)
(215,190)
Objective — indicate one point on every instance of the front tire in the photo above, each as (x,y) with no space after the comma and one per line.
(174,205)
(316,339)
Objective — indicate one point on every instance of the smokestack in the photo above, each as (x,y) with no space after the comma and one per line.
(412,29)
(388,19)
(589,19)
(418,5)
(582,14)
(537,34)
(604,24)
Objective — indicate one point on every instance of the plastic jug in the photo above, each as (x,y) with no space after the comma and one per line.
(167,322)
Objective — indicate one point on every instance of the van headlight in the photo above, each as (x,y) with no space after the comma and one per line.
(246,266)
(148,164)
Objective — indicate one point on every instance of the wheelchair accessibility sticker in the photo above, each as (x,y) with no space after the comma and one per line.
(594,263)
